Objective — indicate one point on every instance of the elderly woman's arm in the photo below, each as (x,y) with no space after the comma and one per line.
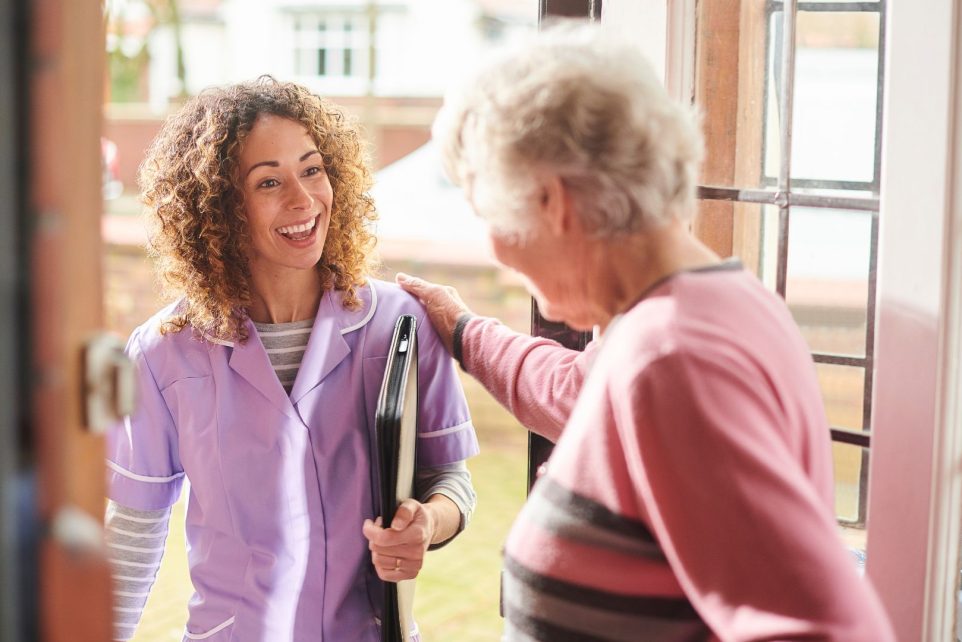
(537,380)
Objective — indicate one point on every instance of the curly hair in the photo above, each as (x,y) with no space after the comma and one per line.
(198,229)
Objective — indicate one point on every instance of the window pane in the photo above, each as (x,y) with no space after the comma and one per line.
(769,257)
(304,62)
(828,269)
(771,141)
(851,463)
(828,277)
(755,240)
(843,391)
(836,81)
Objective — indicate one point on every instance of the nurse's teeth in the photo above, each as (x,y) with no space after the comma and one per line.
(294,229)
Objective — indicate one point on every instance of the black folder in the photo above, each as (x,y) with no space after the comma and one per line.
(396,426)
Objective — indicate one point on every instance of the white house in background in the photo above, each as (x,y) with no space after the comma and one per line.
(417,46)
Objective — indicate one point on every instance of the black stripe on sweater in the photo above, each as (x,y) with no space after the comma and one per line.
(667,608)
(591,511)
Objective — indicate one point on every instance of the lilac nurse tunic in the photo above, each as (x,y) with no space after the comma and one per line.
(279,485)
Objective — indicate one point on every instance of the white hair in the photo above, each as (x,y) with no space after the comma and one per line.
(575,103)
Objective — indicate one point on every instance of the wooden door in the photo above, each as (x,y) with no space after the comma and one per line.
(63,91)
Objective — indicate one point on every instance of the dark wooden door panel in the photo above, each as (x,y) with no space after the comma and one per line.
(64,85)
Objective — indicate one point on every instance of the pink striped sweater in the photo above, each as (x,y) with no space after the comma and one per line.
(690,495)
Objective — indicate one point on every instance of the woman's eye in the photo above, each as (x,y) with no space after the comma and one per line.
(270,182)
(312,171)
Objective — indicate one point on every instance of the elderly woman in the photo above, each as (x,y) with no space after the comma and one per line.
(259,383)
(690,494)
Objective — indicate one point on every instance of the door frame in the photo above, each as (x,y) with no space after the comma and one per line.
(17,609)
(915,484)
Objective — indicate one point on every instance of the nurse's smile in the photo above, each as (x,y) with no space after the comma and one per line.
(300,234)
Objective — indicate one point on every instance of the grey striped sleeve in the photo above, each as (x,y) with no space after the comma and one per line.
(135,545)
(454,482)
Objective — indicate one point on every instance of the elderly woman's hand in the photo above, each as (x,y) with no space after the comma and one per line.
(442,302)
(398,552)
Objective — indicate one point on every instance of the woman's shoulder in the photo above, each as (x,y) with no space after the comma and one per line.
(377,300)
(381,305)
(160,347)
(393,299)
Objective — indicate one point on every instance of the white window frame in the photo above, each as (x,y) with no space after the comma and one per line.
(915,484)
(335,40)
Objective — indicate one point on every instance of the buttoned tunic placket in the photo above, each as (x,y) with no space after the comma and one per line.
(306,487)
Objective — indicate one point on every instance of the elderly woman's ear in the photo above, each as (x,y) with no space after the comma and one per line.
(556,206)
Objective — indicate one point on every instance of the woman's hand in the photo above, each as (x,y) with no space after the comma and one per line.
(442,302)
(398,552)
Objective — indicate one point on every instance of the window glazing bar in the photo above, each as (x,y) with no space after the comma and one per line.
(869,380)
(820,183)
(786,96)
(841,360)
(589,10)
(880,86)
(772,197)
(837,7)
(853,437)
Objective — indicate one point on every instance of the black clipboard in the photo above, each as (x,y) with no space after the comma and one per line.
(396,427)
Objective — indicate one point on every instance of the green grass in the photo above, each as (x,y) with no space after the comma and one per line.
(459,588)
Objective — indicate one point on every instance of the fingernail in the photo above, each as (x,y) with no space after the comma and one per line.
(401,276)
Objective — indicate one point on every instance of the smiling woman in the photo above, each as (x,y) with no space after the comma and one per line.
(230,156)
(288,202)
(259,382)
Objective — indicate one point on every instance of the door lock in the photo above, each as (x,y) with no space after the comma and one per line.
(109,382)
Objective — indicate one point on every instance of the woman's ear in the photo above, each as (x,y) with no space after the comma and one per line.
(555,206)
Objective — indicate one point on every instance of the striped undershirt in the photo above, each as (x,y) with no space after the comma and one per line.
(135,545)
(285,344)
